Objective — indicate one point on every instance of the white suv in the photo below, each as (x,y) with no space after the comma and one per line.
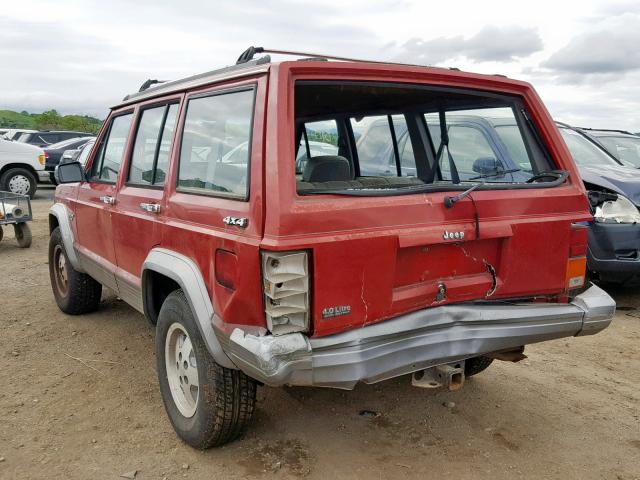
(21,167)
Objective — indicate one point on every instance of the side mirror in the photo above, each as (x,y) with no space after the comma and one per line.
(69,173)
(486,165)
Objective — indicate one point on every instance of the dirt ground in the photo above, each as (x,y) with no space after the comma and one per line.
(570,411)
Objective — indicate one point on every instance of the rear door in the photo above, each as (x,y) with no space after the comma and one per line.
(140,207)
(214,205)
(96,201)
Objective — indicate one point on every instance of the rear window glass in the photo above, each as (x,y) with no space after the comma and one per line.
(395,137)
(583,151)
(214,156)
(625,149)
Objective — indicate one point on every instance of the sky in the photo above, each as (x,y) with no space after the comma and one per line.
(84,56)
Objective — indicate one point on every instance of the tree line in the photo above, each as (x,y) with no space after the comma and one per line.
(49,120)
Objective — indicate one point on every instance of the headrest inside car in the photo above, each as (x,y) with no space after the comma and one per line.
(327,168)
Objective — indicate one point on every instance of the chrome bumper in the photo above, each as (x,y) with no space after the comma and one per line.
(415,341)
(43,176)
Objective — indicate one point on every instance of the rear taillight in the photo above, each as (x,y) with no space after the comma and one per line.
(577,262)
(285,277)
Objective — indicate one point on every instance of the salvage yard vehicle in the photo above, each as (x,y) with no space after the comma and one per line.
(622,145)
(614,193)
(53,153)
(256,268)
(21,167)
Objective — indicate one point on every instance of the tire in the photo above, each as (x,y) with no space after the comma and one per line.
(220,408)
(1,233)
(23,235)
(20,181)
(75,292)
(473,366)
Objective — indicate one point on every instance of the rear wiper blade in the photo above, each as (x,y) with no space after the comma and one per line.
(496,174)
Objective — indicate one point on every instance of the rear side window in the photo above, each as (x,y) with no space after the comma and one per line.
(151,150)
(215,151)
(106,165)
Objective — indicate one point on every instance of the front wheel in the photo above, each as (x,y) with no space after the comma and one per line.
(75,292)
(208,405)
(19,181)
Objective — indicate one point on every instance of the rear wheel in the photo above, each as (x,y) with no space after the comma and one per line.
(208,405)
(473,366)
(23,235)
(20,181)
(75,292)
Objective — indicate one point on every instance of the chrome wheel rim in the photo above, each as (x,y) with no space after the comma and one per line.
(19,184)
(182,370)
(60,269)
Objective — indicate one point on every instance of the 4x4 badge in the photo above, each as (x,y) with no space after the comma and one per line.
(238,222)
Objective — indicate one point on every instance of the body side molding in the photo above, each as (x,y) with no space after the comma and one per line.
(61,212)
(186,273)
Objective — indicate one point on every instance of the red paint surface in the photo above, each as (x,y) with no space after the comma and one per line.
(382,256)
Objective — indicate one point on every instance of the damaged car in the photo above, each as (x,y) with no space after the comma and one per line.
(322,223)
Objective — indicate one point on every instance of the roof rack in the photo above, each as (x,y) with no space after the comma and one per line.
(148,83)
(606,130)
(250,52)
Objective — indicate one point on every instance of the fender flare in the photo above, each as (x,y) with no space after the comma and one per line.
(186,273)
(63,215)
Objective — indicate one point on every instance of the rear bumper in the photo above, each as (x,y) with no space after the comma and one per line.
(43,175)
(614,252)
(414,341)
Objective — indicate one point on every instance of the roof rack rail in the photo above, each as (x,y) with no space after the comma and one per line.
(250,52)
(607,130)
(148,83)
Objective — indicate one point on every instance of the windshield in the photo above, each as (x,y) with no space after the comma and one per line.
(625,149)
(584,152)
(355,136)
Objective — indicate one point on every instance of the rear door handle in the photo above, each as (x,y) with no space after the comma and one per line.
(108,200)
(150,207)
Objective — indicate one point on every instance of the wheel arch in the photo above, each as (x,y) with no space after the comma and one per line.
(60,217)
(164,269)
(24,166)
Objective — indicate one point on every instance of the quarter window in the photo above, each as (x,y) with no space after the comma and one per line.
(215,151)
(106,165)
(152,146)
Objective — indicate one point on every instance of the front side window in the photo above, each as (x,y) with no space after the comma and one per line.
(215,150)
(393,137)
(151,149)
(106,165)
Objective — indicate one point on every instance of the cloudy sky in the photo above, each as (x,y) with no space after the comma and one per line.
(83,56)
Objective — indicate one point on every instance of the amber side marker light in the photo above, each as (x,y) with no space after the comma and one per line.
(577,263)
(576,272)
(42,159)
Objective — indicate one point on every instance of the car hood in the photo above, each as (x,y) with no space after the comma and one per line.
(7,146)
(619,179)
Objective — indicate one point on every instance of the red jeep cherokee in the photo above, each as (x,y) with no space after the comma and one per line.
(254,216)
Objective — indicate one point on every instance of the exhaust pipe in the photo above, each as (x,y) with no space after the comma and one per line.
(450,376)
